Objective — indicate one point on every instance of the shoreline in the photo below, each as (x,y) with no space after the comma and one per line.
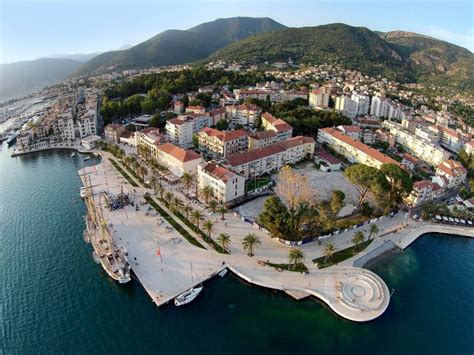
(16,153)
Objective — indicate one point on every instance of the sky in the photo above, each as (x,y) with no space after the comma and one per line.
(31,29)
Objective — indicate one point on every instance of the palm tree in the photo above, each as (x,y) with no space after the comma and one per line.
(153,183)
(160,189)
(208,226)
(144,172)
(168,197)
(187,209)
(213,205)
(250,243)
(197,217)
(374,230)
(295,257)
(176,204)
(224,240)
(206,192)
(187,180)
(329,250)
(358,238)
(222,210)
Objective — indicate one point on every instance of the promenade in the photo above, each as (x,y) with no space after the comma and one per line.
(161,257)
(76,147)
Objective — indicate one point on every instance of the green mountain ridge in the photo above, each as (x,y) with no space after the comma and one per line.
(399,55)
(182,46)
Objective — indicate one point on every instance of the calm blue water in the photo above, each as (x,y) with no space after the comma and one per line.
(55,299)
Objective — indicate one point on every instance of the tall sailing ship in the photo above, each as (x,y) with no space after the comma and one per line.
(106,252)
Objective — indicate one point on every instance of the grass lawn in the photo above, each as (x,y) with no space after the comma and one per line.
(341,255)
(134,174)
(257,183)
(175,224)
(300,267)
(124,174)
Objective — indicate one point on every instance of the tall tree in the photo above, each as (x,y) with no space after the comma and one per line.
(400,184)
(295,257)
(197,217)
(208,226)
(329,250)
(337,201)
(366,178)
(250,243)
(358,238)
(224,240)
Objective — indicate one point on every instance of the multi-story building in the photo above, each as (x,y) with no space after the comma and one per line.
(63,125)
(362,103)
(178,107)
(196,109)
(282,129)
(423,191)
(469,147)
(422,148)
(271,158)
(450,139)
(226,185)
(379,106)
(262,139)
(149,138)
(453,171)
(23,141)
(177,160)
(244,114)
(346,106)
(87,123)
(319,98)
(113,132)
(179,130)
(217,144)
(354,151)
(355,132)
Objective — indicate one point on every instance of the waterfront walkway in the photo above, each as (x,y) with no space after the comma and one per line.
(161,257)
(76,147)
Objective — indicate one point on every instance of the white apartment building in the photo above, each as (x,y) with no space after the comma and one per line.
(362,102)
(450,139)
(423,191)
(379,107)
(354,151)
(87,124)
(355,132)
(177,160)
(453,171)
(226,185)
(179,130)
(150,138)
(282,129)
(64,126)
(262,139)
(319,98)
(219,144)
(271,158)
(244,114)
(346,106)
(419,147)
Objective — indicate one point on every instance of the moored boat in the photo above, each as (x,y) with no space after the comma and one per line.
(73,154)
(95,257)
(222,272)
(187,296)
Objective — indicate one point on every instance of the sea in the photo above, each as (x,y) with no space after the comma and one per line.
(55,299)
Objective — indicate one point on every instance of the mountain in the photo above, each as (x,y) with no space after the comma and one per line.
(182,46)
(21,78)
(398,55)
(80,57)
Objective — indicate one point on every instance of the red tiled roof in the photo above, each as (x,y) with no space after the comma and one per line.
(326,156)
(351,128)
(374,153)
(198,107)
(267,151)
(180,154)
(218,172)
(451,167)
(180,120)
(421,184)
(263,135)
(224,136)
(411,158)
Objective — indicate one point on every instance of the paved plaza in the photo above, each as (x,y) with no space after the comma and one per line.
(161,258)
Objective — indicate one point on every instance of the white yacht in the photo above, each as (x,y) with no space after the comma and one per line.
(187,296)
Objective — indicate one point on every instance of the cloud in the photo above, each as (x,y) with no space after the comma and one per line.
(463,39)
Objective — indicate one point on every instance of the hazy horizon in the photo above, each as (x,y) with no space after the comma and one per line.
(34,29)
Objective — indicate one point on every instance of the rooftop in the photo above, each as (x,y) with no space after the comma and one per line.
(180,154)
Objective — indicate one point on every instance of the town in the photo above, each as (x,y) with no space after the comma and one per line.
(315,170)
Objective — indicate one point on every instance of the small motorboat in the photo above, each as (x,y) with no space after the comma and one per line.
(73,154)
(187,296)
(222,273)
(83,192)
(95,257)
(86,237)
(87,158)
